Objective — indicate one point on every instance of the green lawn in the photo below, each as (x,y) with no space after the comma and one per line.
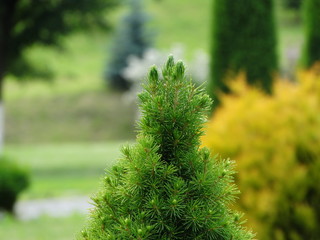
(81,117)
(44,228)
(77,67)
(59,170)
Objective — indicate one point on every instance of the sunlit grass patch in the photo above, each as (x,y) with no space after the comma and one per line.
(69,169)
(43,228)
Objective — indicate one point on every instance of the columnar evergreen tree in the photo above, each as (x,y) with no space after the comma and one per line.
(132,39)
(243,40)
(312,25)
(165,186)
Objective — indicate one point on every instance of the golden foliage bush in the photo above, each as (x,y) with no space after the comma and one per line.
(275,141)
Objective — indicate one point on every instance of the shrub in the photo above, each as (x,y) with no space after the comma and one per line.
(312,32)
(131,39)
(165,186)
(13,180)
(275,142)
(243,39)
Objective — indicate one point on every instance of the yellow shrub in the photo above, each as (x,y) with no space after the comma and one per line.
(275,141)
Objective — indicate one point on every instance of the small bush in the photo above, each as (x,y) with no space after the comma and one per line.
(13,180)
(275,141)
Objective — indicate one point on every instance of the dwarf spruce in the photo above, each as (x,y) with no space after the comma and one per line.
(165,186)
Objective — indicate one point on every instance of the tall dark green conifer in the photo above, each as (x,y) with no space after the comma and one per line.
(243,39)
(312,25)
(166,186)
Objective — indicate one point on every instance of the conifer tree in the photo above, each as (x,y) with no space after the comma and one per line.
(243,40)
(132,39)
(312,25)
(166,186)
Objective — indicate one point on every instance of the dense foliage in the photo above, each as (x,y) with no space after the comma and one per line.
(312,39)
(13,180)
(132,39)
(275,142)
(27,22)
(243,40)
(165,186)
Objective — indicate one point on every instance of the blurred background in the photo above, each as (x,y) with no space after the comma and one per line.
(69,75)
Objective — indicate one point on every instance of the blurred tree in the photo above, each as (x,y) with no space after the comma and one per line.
(311,53)
(293,4)
(131,40)
(243,39)
(27,22)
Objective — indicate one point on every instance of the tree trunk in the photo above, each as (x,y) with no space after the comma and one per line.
(2,77)
(6,27)
(1,110)
(1,127)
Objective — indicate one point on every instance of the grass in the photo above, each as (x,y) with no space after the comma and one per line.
(59,170)
(44,228)
(83,117)
(290,36)
(77,67)
(180,21)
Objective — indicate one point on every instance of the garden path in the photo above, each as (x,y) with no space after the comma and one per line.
(53,207)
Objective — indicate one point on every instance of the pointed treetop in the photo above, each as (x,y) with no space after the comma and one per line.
(166,187)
